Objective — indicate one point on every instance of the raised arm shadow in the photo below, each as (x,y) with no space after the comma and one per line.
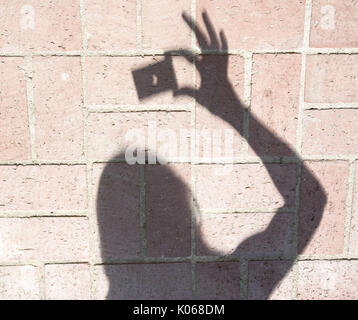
(215,88)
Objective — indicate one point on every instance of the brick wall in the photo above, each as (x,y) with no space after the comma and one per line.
(77,222)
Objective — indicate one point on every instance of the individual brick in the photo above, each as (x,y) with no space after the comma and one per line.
(212,132)
(321,221)
(327,280)
(331,78)
(14,124)
(30,240)
(19,283)
(46,187)
(245,186)
(111,24)
(246,234)
(330,132)
(109,80)
(143,281)
(116,195)
(67,282)
(58,107)
(333,24)
(40,25)
(256,25)
(353,236)
(112,133)
(270,280)
(218,281)
(163,26)
(275,102)
(168,210)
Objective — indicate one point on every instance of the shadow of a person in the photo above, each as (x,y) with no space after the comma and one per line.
(147,241)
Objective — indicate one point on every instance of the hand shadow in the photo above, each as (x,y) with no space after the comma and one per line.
(151,245)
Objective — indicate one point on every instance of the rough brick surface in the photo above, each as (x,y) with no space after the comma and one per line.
(210,127)
(168,210)
(19,283)
(331,78)
(51,187)
(58,107)
(263,275)
(329,236)
(262,24)
(110,133)
(353,244)
(218,280)
(111,24)
(330,132)
(44,239)
(143,281)
(14,132)
(116,199)
(333,24)
(86,82)
(39,25)
(275,98)
(110,80)
(67,281)
(327,280)
(163,26)
(245,234)
(240,181)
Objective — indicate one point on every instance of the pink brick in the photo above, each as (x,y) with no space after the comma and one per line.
(328,237)
(333,24)
(353,237)
(14,126)
(246,186)
(249,234)
(111,24)
(19,283)
(110,133)
(275,100)
(55,25)
(330,132)
(46,187)
(270,280)
(67,281)
(116,192)
(44,239)
(110,81)
(209,126)
(218,280)
(332,280)
(168,210)
(260,24)
(163,26)
(331,78)
(143,281)
(58,105)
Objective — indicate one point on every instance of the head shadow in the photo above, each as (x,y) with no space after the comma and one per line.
(145,220)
